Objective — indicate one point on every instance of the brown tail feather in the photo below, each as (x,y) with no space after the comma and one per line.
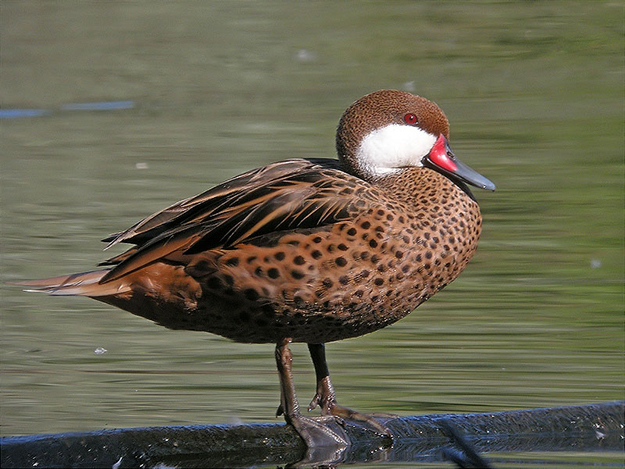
(83,284)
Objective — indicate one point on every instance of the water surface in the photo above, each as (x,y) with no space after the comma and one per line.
(534,93)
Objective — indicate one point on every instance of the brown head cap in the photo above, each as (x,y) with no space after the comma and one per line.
(379,109)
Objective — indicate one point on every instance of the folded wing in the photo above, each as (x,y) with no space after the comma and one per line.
(292,194)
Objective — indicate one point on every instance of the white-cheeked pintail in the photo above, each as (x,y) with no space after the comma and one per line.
(306,250)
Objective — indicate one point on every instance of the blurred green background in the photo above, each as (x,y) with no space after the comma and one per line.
(534,94)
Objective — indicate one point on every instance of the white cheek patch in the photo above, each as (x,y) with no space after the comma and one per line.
(388,149)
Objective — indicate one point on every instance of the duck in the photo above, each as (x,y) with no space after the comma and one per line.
(307,250)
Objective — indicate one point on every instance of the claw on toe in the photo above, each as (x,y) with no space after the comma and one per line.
(367,420)
(320,401)
(314,403)
(329,407)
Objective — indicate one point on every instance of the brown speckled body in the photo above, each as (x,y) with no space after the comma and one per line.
(312,250)
(408,238)
(307,250)
(352,253)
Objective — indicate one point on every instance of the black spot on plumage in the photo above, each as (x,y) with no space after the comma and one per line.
(232,262)
(297,274)
(251,294)
(273,273)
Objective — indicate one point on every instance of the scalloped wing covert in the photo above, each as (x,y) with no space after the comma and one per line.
(293,194)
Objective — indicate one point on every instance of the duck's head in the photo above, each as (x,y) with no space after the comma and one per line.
(387,131)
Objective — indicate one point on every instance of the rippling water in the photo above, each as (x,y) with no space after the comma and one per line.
(534,93)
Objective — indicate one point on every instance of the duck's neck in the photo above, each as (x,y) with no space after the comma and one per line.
(419,187)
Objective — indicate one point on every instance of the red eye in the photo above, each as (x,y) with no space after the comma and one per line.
(410,119)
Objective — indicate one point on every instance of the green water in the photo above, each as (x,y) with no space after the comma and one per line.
(534,93)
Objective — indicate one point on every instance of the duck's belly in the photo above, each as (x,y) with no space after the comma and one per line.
(344,281)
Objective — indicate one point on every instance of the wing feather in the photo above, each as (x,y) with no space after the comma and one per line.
(294,194)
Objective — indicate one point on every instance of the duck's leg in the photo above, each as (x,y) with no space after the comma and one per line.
(320,431)
(325,397)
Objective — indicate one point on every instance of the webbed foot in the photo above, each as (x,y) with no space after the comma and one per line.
(320,431)
(326,400)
